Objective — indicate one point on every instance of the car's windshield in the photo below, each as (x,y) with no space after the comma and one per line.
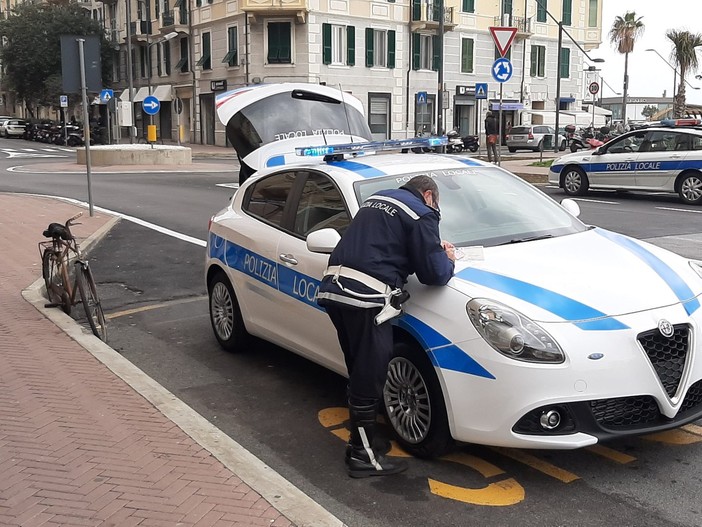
(487,207)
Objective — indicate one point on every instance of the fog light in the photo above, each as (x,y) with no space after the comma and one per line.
(550,420)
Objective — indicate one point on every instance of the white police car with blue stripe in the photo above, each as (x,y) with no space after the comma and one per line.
(518,349)
(665,158)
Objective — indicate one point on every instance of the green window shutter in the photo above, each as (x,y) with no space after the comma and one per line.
(279,51)
(542,61)
(567,12)
(416,50)
(541,6)
(507,7)
(467,55)
(369,47)
(534,62)
(350,45)
(565,63)
(436,52)
(468,6)
(326,44)
(167,57)
(592,14)
(391,49)
(416,10)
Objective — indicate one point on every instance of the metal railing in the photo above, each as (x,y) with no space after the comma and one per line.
(522,24)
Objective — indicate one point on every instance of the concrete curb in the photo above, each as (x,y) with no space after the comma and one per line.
(290,501)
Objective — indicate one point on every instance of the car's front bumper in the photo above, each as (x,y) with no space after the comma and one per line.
(620,393)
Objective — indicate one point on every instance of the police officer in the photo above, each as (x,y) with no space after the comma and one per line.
(394,234)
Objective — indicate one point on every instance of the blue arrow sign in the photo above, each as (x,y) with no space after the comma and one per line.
(106,95)
(481,90)
(151,105)
(502,70)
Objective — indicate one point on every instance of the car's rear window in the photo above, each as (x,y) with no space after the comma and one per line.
(519,130)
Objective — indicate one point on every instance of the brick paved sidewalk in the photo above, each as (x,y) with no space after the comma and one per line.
(78,445)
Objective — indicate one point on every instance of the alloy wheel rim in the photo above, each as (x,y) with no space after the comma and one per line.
(692,189)
(572,181)
(407,401)
(222,309)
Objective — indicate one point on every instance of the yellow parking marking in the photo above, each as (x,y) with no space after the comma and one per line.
(329,417)
(126,312)
(674,437)
(499,494)
(693,429)
(538,464)
(611,454)
(488,470)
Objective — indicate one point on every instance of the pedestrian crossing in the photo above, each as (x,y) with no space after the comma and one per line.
(55,151)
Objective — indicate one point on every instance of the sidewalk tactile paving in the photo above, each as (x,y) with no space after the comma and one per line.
(78,446)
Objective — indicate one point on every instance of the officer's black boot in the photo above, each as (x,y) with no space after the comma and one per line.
(362,460)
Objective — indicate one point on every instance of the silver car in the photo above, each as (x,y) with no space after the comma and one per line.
(534,137)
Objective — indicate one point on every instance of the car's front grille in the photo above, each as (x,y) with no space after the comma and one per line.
(693,398)
(625,412)
(667,355)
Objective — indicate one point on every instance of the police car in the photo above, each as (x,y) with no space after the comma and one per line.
(664,158)
(513,351)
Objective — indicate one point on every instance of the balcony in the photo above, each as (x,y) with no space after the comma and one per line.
(257,9)
(176,20)
(427,15)
(522,24)
(141,30)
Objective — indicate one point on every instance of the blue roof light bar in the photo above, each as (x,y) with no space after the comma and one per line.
(371,146)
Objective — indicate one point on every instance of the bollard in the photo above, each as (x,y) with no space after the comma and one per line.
(151,133)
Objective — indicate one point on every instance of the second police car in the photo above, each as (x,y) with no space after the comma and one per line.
(518,349)
(664,158)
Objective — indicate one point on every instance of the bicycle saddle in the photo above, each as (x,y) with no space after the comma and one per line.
(56,230)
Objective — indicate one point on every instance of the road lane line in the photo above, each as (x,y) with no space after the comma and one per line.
(680,210)
(537,464)
(126,312)
(597,201)
(611,454)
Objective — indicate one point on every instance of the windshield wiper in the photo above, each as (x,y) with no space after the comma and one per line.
(528,239)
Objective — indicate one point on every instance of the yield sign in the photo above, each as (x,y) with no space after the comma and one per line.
(503,37)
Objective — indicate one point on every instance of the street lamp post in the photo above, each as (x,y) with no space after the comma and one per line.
(130,81)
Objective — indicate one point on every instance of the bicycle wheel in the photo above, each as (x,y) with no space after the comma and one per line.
(91,301)
(55,288)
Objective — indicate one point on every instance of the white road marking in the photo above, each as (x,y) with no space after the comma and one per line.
(228,185)
(680,210)
(597,201)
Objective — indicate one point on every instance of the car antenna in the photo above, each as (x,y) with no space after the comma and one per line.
(346,112)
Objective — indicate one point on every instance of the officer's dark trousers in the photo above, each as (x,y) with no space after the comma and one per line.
(367,349)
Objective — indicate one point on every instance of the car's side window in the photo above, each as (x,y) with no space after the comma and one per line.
(267,198)
(631,143)
(696,143)
(658,141)
(320,206)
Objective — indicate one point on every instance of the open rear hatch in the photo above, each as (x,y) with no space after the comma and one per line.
(266,122)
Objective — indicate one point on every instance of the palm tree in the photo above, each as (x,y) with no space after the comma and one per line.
(685,56)
(624,33)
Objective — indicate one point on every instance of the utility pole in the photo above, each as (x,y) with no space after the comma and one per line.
(130,80)
(440,93)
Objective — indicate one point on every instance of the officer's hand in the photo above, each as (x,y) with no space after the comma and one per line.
(450,250)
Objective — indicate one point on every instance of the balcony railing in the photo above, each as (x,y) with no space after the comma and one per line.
(430,12)
(174,18)
(522,24)
(256,9)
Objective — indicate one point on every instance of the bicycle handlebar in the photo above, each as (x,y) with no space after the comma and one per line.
(70,221)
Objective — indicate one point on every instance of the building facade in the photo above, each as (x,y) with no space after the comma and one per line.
(388,53)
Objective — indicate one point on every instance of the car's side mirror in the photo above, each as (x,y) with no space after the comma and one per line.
(571,206)
(322,241)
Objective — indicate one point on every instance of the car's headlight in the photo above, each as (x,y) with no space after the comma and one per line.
(513,334)
(697,267)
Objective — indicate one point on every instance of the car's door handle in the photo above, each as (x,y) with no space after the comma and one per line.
(288,258)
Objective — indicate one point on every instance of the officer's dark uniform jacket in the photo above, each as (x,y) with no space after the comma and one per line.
(394,234)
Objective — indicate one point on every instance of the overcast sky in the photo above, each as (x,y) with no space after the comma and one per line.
(649,75)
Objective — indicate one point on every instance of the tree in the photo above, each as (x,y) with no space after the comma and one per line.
(649,111)
(31,54)
(623,35)
(684,55)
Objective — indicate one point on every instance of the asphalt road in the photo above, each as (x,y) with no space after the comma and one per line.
(286,409)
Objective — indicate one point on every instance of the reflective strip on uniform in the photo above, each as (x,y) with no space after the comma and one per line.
(398,204)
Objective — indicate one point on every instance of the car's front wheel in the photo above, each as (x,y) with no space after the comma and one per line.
(562,146)
(415,404)
(225,314)
(575,182)
(690,189)
(512,150)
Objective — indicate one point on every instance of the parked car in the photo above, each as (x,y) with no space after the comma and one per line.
(535,138)
(12,128)
(512,352)
(664,158)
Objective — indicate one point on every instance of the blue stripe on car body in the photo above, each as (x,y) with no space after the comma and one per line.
(583,316)
(276,161)
(304,288)
(674,281)
(358,168)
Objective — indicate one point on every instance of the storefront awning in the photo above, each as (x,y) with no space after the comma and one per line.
(507,106)
(124,96)
(163,93)
(141,94)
